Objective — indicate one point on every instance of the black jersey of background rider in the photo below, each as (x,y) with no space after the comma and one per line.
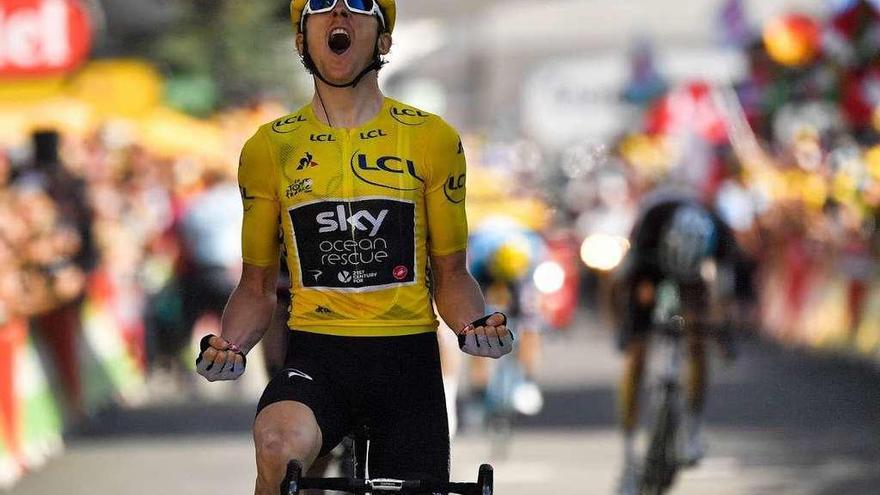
(655,213)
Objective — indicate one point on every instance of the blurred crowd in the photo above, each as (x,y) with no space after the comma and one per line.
(789,156)
(43,251)
(102,219)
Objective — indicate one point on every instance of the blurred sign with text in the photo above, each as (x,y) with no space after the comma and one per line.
(42,37)
(576,99)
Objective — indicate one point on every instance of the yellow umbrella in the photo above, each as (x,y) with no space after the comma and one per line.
(14,125)
(171,133)
(20,91)
(118,88)
(68,115)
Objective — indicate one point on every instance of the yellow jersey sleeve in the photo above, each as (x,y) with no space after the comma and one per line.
(445,192)
(257,181)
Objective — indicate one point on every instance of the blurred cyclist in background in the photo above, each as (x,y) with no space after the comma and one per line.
(370,194)
(678,239)
(503,255)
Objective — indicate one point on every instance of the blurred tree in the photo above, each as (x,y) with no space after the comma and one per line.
(225,52)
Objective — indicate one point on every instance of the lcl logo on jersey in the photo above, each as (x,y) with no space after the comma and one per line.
(322,138)
(288,124)
(409,116)
(375,133)
(454,188)
(386,171)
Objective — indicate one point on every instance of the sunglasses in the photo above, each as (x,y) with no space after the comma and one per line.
(364,7)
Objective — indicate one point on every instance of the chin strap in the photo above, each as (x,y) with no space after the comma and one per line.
(376,64)
(354,82)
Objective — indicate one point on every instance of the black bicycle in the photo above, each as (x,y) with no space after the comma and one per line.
(662,459)
(294,482)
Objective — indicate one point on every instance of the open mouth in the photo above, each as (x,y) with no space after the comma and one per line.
(339,41)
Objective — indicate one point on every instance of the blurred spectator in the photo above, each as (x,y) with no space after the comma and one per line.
(50,234)
(210,230)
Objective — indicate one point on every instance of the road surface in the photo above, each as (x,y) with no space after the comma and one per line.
(779,422)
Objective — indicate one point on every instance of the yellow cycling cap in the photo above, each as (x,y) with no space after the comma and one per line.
(389,11)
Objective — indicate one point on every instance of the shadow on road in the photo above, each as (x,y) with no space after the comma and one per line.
(195,418)
(769,388)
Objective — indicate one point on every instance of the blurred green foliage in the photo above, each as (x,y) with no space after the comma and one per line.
(228,52)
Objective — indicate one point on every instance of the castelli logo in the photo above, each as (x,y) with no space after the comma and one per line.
(42,37)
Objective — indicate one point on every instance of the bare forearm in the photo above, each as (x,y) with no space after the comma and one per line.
(459,299)
(247,316)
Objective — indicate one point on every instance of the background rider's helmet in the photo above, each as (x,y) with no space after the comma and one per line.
(389,11)
(689,238)
(512,260)
(501,249)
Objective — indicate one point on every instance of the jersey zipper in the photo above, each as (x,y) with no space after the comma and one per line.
(348,179)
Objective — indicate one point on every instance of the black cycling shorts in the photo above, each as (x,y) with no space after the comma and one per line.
(390,385)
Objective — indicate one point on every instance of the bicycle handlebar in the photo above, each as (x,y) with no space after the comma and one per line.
(380,485)
(294,482)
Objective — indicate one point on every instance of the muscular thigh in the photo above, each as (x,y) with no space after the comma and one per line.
(307,378)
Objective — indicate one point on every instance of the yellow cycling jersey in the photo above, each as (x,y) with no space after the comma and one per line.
(360,210)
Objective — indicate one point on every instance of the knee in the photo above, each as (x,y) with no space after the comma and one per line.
(276,446)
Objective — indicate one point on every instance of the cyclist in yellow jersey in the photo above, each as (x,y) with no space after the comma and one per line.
(369,194)
(355,203)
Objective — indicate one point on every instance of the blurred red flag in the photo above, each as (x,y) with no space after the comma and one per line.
(688,108)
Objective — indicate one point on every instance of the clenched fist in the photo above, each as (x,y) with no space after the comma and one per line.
(487,337)
(219,360)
